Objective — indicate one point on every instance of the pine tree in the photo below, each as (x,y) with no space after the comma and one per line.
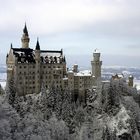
(1,90)
(11,91)
(87,130)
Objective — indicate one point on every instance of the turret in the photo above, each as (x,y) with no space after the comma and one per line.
(96,55)
(64,59)
(37,68)
(96,64)
(10,63)
(75,68)
(25,38)
(130,81)
(37,45)
(11,46)
(10,58)
(37,51)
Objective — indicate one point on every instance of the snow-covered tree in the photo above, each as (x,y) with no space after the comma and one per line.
(87,130)
(1,90)
(110,99)
(11,91)
(58,129)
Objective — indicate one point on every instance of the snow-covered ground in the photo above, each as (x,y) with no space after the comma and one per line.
(3,84)
(3,79)
(137,84)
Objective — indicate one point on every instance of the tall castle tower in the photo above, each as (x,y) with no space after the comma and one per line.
(25,38)
(130,81)
(10,64)
(96,64)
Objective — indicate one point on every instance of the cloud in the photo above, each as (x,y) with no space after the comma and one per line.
(56,16)
(109,25)
(112,18)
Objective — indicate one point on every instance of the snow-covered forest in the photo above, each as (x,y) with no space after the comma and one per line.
(111,112)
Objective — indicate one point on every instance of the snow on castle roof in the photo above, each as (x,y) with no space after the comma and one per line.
(96,51)
(83,73)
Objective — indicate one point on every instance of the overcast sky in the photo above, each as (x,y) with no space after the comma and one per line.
(77,26)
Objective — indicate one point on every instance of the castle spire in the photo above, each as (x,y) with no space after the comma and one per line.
(11,46)
(64,59)
(37,45)
(37,71)
(25,31)
(25,38)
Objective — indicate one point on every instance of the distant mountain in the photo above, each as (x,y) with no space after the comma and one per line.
(2,68)
(126,71)
(2,58)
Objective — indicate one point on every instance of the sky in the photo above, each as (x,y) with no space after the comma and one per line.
(77,26)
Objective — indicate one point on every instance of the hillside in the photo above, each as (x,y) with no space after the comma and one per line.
(111,113)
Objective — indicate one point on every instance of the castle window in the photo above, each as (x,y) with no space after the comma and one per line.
(44,66)
(24,66)
(20,72)
(20,67)
(33,66)
(49,66)
(33,82)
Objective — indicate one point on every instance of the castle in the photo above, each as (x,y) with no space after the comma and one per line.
(31,68)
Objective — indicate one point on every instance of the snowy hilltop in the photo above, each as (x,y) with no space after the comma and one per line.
(111,112)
